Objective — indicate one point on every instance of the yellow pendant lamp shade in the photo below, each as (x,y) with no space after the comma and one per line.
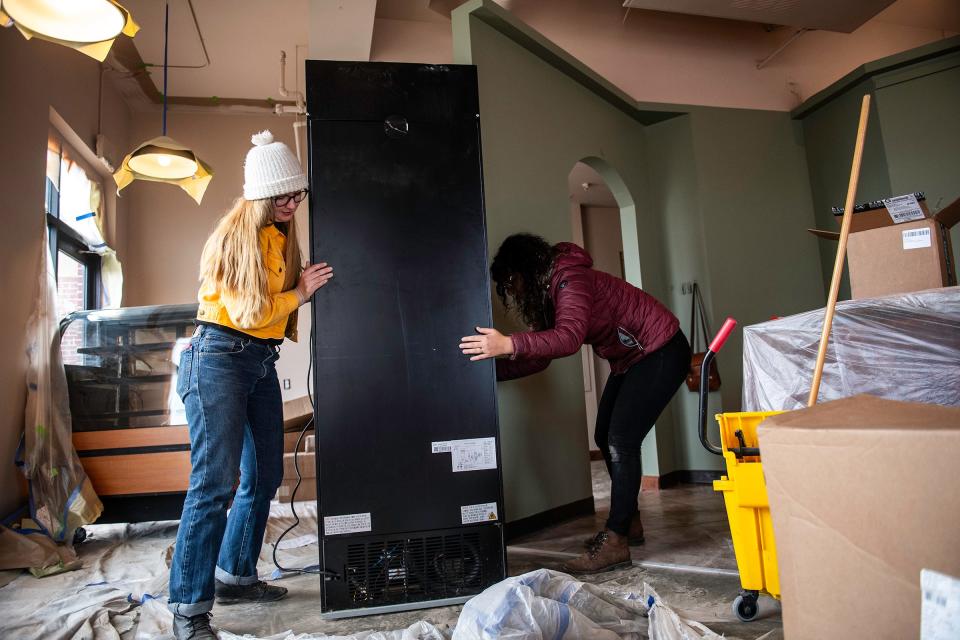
(165,164)
(89,26)
(164,159)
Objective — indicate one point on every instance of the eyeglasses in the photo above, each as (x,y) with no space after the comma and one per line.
(282,201)
(506,286)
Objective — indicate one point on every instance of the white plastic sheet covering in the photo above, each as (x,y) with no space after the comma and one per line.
(902,347)
(120,591)
(549,604)
(61,497)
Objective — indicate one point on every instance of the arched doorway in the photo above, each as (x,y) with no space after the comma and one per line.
(603,221)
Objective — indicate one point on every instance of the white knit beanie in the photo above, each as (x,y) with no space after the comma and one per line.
(271,169)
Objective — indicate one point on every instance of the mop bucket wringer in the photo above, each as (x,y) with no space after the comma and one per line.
(744,492)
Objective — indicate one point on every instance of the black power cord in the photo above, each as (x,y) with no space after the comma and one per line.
(314,569)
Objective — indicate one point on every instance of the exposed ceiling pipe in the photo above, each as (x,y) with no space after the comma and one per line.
(299,109)
(762,63)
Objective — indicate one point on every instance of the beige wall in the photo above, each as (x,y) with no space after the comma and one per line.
(674,58)
(167,229)
(412,41)
(33,77)
(603,239)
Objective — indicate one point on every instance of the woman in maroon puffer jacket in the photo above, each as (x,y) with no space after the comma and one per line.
(568,304)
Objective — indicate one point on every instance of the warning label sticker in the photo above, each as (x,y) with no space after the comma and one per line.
(351,523)
(916,238)
(472,454)
(903,208)
(472,513)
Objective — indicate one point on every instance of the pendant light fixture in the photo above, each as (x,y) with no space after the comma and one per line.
(89,26)
(163,159)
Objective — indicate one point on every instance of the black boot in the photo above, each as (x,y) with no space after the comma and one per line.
(635,537)
(193,627)
(259,591)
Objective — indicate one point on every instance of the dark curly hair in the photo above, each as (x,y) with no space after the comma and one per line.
(530,258)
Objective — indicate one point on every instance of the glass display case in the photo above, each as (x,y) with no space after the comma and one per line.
(129,427)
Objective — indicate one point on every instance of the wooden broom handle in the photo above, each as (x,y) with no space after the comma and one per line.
(841,251)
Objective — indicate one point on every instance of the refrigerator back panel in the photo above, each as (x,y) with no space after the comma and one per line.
(407,441)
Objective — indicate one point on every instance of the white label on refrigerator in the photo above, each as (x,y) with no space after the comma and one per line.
(472,513)
(441,447)
(474,454)
(351,523)
(916,238)
(940,608)
(903,208)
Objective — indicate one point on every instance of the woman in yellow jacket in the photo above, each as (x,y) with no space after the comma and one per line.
(252,285)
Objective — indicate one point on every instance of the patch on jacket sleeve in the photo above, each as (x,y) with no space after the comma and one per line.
(627,339)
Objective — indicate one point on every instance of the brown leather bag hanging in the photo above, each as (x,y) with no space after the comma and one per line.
(696,360)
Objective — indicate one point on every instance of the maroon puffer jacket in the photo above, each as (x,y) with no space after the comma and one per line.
(620,321)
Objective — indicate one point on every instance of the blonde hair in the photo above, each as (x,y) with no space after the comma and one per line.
(233,261)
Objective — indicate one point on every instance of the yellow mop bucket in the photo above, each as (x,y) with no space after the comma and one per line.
(744,493)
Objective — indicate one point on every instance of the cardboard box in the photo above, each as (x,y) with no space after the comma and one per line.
(290,440)
(307,490)
(864,494)
(307,462)
(897,246)
(297,413)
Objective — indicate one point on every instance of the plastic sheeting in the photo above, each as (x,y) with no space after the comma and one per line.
(549,604)
(121,592)
(61,496)
(903,347)
(156,623)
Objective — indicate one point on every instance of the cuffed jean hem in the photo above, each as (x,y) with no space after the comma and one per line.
(229,578)
(191,609)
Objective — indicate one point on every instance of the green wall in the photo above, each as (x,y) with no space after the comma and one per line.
(912,136)
(536,125)
(717,195)
(919,115)
(731,189)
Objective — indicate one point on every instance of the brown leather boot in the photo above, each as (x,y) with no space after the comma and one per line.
(634,537)
(610,551)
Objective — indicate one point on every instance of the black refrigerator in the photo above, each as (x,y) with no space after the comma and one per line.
(407,443)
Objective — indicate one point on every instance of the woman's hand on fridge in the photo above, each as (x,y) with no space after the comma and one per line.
(490,343)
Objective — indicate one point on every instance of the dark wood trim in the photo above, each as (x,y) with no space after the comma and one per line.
(651,483)
(548,518)
(122,438)
(688,476)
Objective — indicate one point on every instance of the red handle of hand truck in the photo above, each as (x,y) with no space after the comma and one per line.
(723,334)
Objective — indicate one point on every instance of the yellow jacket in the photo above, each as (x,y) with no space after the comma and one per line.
(279,319)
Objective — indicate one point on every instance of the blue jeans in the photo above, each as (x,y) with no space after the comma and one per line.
(231,394)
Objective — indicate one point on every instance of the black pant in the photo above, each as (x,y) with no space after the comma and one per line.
(629,407)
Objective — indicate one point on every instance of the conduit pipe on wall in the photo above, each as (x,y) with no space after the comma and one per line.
(298,109)
(762,63)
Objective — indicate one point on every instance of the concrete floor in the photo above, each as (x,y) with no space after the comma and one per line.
(687,558)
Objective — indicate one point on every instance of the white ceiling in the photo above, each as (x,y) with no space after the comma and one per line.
(418,10)
(243,38)
(830,15)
